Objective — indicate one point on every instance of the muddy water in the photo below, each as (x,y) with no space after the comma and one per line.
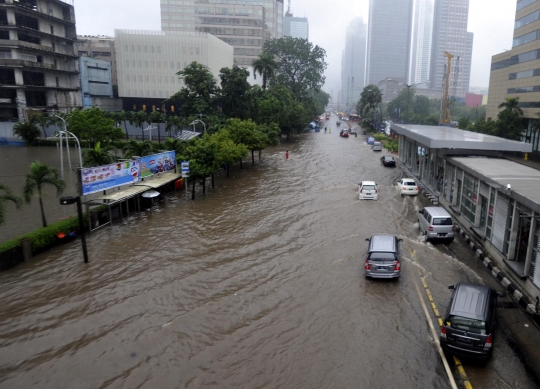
(257,284)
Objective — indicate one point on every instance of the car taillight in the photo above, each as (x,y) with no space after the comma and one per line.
(489,342)
(367,266)
(443,331)
(361,190)
(431,228)
(398,265)
(376,191)
(416,188)
(453,228)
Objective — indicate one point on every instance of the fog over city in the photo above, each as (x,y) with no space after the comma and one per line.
(491,21)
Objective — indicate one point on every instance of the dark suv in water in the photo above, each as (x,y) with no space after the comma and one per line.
(469,322)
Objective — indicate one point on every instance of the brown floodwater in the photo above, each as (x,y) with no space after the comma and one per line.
(257,284)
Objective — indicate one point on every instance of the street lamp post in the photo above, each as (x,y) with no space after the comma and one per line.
(195,122)
(149,129)
(61,134)
(71,200)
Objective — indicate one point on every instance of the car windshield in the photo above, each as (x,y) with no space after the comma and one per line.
(470,325)
(368,187)
(409,183)
(442,221)
(388,158)
(382,257)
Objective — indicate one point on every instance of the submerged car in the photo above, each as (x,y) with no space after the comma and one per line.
(388,160)
(344,133)
(408,186)
(367,190)
(469,322)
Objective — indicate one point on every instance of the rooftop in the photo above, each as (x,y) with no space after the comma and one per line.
(439,137)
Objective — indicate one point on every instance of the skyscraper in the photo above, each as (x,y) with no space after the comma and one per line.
(295,27)
(388,41)
(353,64)
(244,24)
(421,43)
(450,34)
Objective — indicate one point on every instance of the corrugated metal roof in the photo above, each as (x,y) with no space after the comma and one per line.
(187,135)
(439,137)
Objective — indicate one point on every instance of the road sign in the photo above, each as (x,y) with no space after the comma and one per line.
(184,166)
(185,175)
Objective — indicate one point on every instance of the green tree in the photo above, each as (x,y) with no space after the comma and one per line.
(266,67)
(300,64)
(511,105)
(29,131)
(43,121)
(464,123)
(368,106)
(228,152)
(98,156)
(234,92)
(158,118)
(175,144)
(125,117)
(7,195)
(136,148)
(203,158)
(139,118)
(171,123)
(39,176)
(94,126)
(199,92)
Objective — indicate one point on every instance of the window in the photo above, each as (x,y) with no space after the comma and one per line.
(516,59)
(524,74)
(524,89)
(524,3)
(469,197)
(526,38)
(527,19)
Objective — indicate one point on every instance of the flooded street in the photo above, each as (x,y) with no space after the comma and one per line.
(257,284)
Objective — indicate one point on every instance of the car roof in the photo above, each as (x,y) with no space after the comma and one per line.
(368,182)
(437,211)
(388,157)
(471,301)
(383,243)
(409,180)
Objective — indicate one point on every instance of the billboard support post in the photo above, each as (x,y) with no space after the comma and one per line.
(68,201)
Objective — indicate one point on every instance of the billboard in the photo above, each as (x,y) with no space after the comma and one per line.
(157,163)
(105,177)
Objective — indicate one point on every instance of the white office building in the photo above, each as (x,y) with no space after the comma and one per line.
(147,61)
(295,27)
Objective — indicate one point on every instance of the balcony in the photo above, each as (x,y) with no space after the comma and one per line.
(62,50)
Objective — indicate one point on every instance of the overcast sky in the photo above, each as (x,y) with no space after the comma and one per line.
(491,21)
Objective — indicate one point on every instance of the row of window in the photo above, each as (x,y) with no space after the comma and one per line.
(142,48)
(524,3)
(233,21)
(243,42)
(527,19)
(244,51)
(524,89)
(521,40)
(152,78)
(229,11)
(531,104)
(231,31)
(155,64)
(524,74)
(515,59)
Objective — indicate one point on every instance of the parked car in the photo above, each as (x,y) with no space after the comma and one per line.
(383,259)
(377,146)
(408,186)
(370,140)
(436,223)
(388,160)
(367,190)
(344,133)
(469,322)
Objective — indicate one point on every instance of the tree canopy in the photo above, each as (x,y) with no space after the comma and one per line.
(199,92)
(93,125)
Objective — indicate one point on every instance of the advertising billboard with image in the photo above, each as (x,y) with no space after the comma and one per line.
(157,163)
(105,177)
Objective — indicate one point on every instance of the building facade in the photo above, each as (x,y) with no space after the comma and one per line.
(96,84)
(147,62)
(99,47)
(245,25)
(353,64)
(516,73)
(38,58)
(388,41)
(450,35)
(421,43)
(295,27)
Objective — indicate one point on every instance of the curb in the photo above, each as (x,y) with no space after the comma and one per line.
(523,301)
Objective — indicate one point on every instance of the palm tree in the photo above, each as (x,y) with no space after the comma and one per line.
(171,122)
(29,131)
(98,156)
(139,118)
(43,121)
(41,175)
(125,117)
(137,148)
(7,196)
(265,66)
(510,105)
(157,117)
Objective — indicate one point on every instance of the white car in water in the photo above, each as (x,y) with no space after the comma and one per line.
(408,186)
(367,190)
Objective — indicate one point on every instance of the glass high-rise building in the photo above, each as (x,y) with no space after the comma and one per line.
(421,43)
(388,42)
(450,34)
(295,27)
(353,64)
(244,24)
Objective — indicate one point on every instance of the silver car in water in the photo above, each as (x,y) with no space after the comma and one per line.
(383,259)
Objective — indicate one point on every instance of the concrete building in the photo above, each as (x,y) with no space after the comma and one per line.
(473,100)
(421,43)
(295,27)
(245,24)
(96,84)
(390,88)
(389,38)
(450,34)
(495,200)
(516,73)
(147,63)
(38,58)
(100,47)
(353,64)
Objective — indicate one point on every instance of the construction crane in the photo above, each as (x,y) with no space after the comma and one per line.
(446,117)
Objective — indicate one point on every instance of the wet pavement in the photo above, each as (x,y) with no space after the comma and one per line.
(257,284)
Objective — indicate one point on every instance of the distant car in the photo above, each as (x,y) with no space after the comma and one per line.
(344,133)
(338,123)
(352,131)
(367,190)
(370,140)
(377,146)
(408,186)
(388,160)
